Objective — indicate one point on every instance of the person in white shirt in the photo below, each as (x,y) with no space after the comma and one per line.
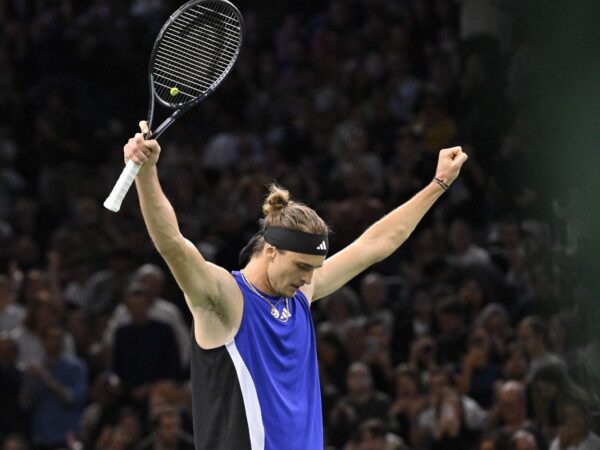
(575,432)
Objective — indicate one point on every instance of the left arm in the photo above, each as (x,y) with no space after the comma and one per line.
(384,237)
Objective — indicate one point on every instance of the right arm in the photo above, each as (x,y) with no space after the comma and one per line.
(207,287)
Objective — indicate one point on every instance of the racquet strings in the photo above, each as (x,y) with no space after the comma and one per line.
(196,51)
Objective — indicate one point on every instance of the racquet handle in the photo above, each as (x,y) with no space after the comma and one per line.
(114,200)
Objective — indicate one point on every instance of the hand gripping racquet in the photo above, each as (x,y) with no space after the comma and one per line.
(193,53)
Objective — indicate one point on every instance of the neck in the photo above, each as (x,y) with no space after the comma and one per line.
(516,422)
(362,397)
(51,359)
(256,273)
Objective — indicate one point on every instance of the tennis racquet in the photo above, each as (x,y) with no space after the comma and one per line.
(193,53)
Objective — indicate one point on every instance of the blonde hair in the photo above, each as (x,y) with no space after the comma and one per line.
(280,211)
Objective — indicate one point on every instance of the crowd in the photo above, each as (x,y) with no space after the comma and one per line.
(466,338)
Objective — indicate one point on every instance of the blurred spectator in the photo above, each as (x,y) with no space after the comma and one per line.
(496,322)
(378,354)
(361,403)
(560,336)
(103,289)
(532,333)
(551,387)
(333,362)
(516,363)
(408,401)
(55,391)
(122,435)
(451,337)
(15,442)
(524,440)
(450,419)
(510,413)
(41,314)
(375,298)
(102,408)
(144,350)
(167,433)
(423,356)
(465,253)
(152,278)
(12,418)
(412,323)
(479,373)
(472,298)
(373,435)
(11,314)
(339,308)
(575,432)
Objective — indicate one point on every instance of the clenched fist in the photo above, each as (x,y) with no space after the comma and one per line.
(141,151)
(450,161)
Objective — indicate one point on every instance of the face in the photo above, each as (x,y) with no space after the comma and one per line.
(289,271)
(515,366)
(373,291)
(371,442)
(487,444)
(359,379)
(14,443)
(576,420)
(527,338)
(53,341)
(546,389)
(511,404)
(470,293)
(525,441)
(138,306)
(406,386)
(169,429)
(8,352)
(439,384)
(556,331)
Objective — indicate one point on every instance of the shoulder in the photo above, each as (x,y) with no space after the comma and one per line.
(593,438)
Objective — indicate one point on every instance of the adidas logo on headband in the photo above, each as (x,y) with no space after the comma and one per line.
(322,246)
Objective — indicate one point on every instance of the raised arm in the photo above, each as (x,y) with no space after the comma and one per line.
(384,237)
(209,289)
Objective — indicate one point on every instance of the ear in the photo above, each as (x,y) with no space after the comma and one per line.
(269,251)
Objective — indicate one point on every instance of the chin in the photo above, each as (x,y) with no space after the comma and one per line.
(289,293)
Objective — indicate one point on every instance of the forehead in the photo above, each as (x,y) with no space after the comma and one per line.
(314,261)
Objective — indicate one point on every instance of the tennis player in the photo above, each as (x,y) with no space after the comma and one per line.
(255,380)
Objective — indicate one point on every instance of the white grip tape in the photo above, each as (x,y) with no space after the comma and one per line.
(114,200)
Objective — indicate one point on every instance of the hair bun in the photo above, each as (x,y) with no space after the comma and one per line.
(277,199)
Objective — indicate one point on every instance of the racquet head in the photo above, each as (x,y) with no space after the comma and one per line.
(194,52)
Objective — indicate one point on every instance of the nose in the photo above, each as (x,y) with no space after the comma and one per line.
(307,276)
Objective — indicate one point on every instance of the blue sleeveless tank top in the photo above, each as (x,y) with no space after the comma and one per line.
(261,390)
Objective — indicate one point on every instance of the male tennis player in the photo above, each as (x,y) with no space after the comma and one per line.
(255,378)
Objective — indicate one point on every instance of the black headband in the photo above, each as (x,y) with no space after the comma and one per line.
(297,241)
